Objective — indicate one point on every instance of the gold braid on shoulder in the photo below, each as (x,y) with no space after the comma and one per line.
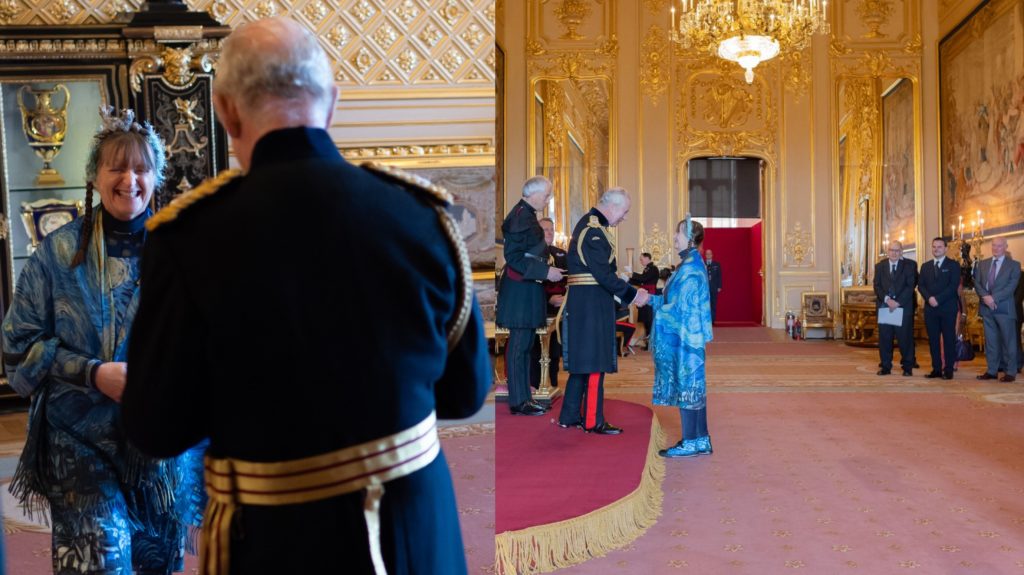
(170,212)
(441,199)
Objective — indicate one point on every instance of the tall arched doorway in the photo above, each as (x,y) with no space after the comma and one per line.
(725,194)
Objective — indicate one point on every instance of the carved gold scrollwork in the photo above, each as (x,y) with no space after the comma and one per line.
(571,14)
(140,67)
(874,14)
(797,75)
(554,124)
(799,249)
(657,243)
(177,66)
(837,48)
(9,10)
(914,45)
(653,68)
(727,104)
(656,6)
(184,140)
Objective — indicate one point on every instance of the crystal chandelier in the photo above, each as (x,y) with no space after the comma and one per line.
(748,32)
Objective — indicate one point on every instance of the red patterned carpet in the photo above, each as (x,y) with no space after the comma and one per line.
(468,448)
(822,467)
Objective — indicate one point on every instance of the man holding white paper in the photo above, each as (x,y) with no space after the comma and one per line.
(894,283)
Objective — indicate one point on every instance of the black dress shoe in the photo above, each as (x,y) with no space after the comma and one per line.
(527,409)
(544,407)
(934,374)
(947,375)
(908,372)
(986,375)
(605,429)
(883,372)
(1007,379)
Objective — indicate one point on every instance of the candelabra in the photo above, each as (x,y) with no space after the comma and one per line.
(963,245)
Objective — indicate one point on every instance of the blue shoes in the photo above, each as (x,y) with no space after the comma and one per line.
(685,448)
(704,445)
(689,448)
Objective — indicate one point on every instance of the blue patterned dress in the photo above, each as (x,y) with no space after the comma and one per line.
(113,509)
(682,327)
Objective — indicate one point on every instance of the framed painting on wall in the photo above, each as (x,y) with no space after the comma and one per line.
(499,138)
(897,205)
(981,101)
(577,182)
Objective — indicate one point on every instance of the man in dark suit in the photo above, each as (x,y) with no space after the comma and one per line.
(522,305)
(647,279)
(894,289)
(714,280)
(245,340)
(938,286)
(995,280)
(554,292)
(588,333)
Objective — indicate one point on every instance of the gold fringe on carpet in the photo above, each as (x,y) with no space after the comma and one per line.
(545,548)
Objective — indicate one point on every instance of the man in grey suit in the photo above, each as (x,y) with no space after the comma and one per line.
(995,280)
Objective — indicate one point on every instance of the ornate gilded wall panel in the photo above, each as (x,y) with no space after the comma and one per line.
(371,42)
(563,24)
(887,24)
(654,54)
(717,113)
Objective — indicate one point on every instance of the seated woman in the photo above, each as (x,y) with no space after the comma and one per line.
(682,328)
(65,341)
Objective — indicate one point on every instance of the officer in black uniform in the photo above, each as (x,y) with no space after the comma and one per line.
(521,302)
(588,319)
(554,292)
(243,335)
(647,279)
(714,280)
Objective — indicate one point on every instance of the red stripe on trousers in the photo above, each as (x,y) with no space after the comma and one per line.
(592,383)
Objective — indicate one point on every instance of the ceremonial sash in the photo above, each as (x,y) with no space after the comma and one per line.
(367,466)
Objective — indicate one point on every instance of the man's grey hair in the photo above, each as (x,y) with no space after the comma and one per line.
(614,197)
(296,69)
(548,220)
(536,185)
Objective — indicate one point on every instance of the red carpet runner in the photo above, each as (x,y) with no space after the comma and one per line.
(567,496)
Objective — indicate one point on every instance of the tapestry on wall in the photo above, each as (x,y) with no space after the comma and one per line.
(981,101)
(898,164)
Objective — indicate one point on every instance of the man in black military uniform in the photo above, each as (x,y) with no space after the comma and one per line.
(647,279)
(324,455)
(714,280)
(588,319)
(554,292)
(521,302)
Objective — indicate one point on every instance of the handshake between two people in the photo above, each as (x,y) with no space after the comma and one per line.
(642,297)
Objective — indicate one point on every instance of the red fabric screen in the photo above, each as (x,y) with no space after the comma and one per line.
(739,302)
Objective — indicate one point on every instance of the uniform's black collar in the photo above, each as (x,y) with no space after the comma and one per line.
(527,205)
(293,144)
(600,217)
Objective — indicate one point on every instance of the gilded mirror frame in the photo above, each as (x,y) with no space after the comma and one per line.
(556,145)
(855,183)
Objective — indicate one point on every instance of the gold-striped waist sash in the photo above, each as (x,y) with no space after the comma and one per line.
(581,280)
(233,482)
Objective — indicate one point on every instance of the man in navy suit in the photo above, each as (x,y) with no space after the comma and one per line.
(894,283)
(995,280)
(938,286)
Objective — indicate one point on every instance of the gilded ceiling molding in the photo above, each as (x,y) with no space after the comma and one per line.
(654,78)
(657,243)
(799,248)
(411,43)
(874,14)
(417,151)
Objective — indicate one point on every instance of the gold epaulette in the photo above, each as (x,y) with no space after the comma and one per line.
(406,179)
(442,201)
(594,222)
(170,212)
